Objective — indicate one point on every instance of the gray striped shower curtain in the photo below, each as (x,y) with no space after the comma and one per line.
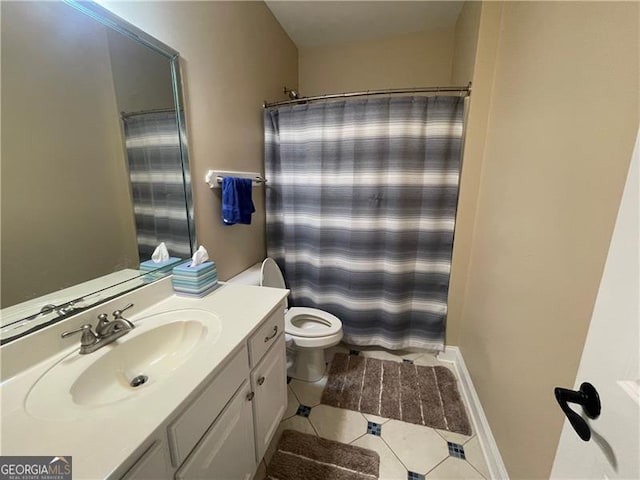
(157,182)
(361,206)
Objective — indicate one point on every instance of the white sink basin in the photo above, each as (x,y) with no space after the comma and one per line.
(135,364)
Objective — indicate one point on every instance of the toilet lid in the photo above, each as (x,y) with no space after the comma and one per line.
(271,276)
(311,322)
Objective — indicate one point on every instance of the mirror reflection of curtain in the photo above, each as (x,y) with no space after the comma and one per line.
(157,182)
(361,206)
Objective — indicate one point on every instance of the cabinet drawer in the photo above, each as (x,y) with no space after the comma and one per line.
(266,335)
(191,425)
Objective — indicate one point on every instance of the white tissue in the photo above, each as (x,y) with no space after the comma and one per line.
(160,254)
(199,257)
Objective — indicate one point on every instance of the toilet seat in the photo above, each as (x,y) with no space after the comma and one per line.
(310,322)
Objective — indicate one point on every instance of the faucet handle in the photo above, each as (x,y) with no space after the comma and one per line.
(118,313)
(88,337)
(103,320)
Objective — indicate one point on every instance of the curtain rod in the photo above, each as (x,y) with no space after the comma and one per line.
(389,91)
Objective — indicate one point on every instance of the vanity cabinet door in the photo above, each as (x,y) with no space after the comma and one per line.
(269,383)
(194,421)
(224,451)
(153,465)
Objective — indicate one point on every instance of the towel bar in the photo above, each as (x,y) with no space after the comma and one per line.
(214,177)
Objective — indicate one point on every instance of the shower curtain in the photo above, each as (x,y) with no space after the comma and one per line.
(157,183)
(361,205)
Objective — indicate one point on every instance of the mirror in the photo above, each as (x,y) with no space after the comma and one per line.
(94,160)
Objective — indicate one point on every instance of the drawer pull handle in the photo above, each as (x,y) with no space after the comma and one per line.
(260,380)
(275,332)
(250,396)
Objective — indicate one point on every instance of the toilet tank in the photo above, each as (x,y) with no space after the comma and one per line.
(250,276)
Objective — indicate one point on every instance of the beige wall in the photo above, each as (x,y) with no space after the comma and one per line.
(66,207)
(475,136)
(466,38)
(234,55)
(562,121)
(412,60)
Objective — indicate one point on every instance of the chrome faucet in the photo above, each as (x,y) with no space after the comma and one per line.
(106,331)
(106,327)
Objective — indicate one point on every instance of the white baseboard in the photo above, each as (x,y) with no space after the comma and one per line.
(480,423)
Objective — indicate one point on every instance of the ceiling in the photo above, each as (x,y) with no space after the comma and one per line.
(320,22)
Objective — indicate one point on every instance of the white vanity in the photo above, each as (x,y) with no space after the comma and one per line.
(212,399)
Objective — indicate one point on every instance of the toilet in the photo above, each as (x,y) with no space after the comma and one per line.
(309,331)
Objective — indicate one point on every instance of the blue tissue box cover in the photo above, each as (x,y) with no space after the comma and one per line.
(186,286)
(151,265)
(186,281)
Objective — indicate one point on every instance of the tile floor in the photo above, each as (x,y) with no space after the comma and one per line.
(407,451)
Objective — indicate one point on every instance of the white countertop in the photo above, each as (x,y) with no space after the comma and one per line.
(100,442)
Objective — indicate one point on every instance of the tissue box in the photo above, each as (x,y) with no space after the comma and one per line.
(196,281)
(150,265)
(152,271)
(196,292)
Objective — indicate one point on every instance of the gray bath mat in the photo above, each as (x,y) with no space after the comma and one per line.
(403,391)
(301,456)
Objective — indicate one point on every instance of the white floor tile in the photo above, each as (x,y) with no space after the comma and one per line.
(473,452)
(375,418)
(292,404)
(454,468)
(338,424)
(390,467)
(454,437)
(402,445)
(301,424)
(419,448)
(430,360)
(393,355)
(427,359)
(415,354)
(308,393)
(380,353)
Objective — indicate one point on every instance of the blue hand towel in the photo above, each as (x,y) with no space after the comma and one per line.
(237,204)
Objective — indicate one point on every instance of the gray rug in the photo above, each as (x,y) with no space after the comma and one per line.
(403,391)
(300,456)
